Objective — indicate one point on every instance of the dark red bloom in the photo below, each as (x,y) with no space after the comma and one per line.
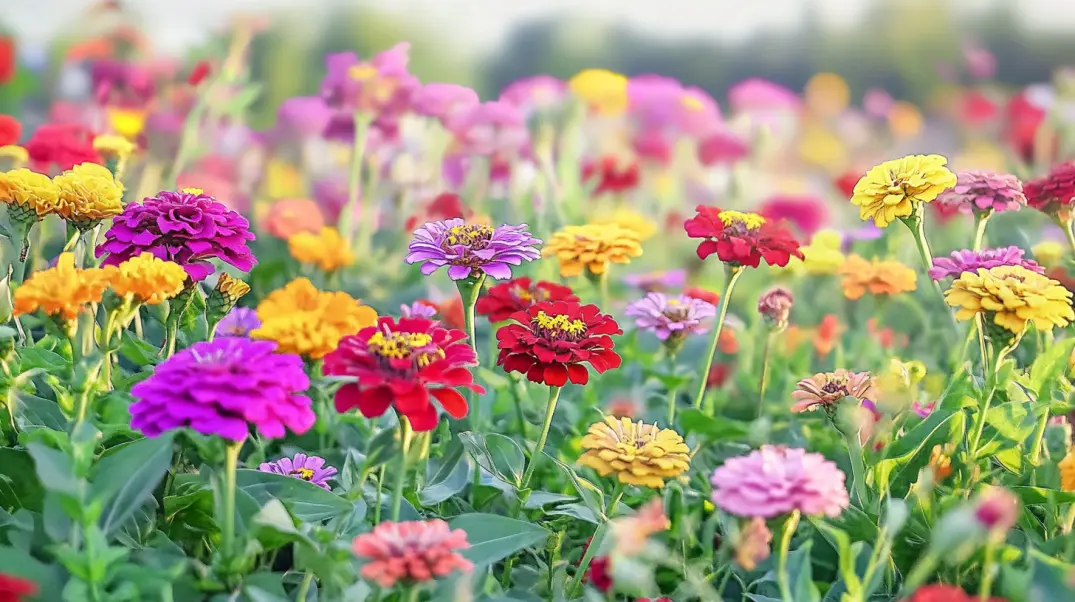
(61,145)
(944,593)
(10,130)
(198,74)
(741,239)
(445,205)
(402,365)
(1054,191)
(554,339)
(598,573)
(610,175)
(7,59)
(710,297)
(506,298)
(1022,120)
(718,375)
(12,589)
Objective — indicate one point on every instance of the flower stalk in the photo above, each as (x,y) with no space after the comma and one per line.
(595,541)
(360,234)
(406,436)
(783,580)
(550,410)
(231,467)
(731,276)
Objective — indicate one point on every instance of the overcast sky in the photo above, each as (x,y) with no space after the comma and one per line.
(482,24)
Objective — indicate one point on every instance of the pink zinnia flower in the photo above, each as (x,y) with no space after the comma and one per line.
(722,147)
(977,191)
(774,481)
(971,261)
(443,100)
(671,317)
(757,93)
(380,85)
(536,94)
(806,212)
(411,552)
(775,307)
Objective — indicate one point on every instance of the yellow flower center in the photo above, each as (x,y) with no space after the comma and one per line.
(404,345)
(194,191)
(362,72)
(469,235)
(692,103)
(751,221)
(305,474)
(559,325)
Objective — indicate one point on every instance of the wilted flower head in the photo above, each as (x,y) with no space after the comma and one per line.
(222,388)
(753,544)
(773,481)
(239,322)
(411,552)
(970,261)
(670,318)
(592,248)
(876,277)
(1013,297)
(775,307)
(307,468)
(826,389)
(896,188)
(500,302)
(470,249)
(982,191)
(630,533)
(635,453)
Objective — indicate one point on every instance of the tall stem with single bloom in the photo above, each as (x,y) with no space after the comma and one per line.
(550,409)
(981,219)
(595,540)
(354,187)
(731,276)
(782,560)
(765,355)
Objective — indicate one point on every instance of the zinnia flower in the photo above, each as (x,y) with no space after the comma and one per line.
(1067,471)
(1055,191)
(629,220)
(997,509)
(411,552)
(776,480)
(895,188)
(501,301)
(741,239)
(983,191)
(826,389)
(401,365)
(146,279)
(30,196)
(602,90)
(307,468)
(222,387)
(636,453)
(115,150)
(288,217)
(592,247)
(971,261)
(807,213)
(10,130)
(325,249)
(775,307)
(184,227)
(1012,296)
(62,291)
(610,175)
(14,589)
(651,282)
(876,277)
(309,322)
(61,145)
(381,85)
(944,593)
(240,322)
(630,533)
(1048,253)
(670,318)
(553,340)
(470,249)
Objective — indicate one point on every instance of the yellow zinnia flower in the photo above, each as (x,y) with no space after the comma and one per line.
(325,249)
(14,155)
(1048,253)
(30,196)
(592,247)
(895,188)
(89,193)
(1014,296)
(630,220)
(637,453)
(62,291)
(1067,471)
(115,150)
(822,256)
(876,277)
(604,91)
(146,279)
(308,322)
(126,122)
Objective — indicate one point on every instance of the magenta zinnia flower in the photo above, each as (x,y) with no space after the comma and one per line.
(776,480)
(970,261)
(307,468)
(443,100)
(183,227)
(238,323)
(470,249)
(536,94)
(490,128)
(223,387)
(674,317)
(979,191)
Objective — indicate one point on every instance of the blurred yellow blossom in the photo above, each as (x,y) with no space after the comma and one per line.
(823,256)
(630,220)
(604,91)
(876,277)
(1048,253)
(326,249)
(126,122)
(827,93)
(1067,471)
(308,322)
(821,147)
(13,156)
(592,248)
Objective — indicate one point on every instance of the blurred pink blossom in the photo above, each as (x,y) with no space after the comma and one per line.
(443,100)
(490,128)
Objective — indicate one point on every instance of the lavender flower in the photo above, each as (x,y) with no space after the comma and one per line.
(223,387)
(418,309)
(238,323)
(307,468)
(442,100)
(775,480)
(670,317)
(490,128)
(655,281)
(980,191)
(537,94)
(471,249)
(970,261)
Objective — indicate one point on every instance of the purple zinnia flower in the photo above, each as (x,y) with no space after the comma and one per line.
(970,261)
(536,94)
(223,387)
(374,87)
(443,100)
(307,468)
(471,248)
(238,323)
(980,191)
(418,309)
(674,317)
(302,117)
(490,128)
(655,281)
(182,227)
(776,480)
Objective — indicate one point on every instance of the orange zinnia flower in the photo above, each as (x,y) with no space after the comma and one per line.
(827,334)
(876,277)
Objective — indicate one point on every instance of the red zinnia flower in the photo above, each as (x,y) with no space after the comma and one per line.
(846,183)
(611,175)
(1054,191)
(7,59)
(1023,118)
(62,145)
(718,375)
(553,340)
(12,589)
(401,365)
(944,593)
(504,299)
(446,205)
(741,239)
(710,297)
(976,108)
(10,130)
(598,572)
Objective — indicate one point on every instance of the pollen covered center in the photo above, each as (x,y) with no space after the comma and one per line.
(559,325)
(406,345)
(306,474)
(472,235)
(750,221)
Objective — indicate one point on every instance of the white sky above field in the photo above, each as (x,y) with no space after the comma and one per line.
(481,25)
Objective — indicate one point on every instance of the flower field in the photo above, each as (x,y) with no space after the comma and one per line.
(597,338)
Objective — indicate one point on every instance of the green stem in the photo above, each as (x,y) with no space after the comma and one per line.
(517,390)
(983,348)
(550,409)
(354,187)
(989,571)
(595,541)
(304,589)
(1036,438)
(603,284)
(731,275)
(231,467)
(782,560)
(917,225)
(380,489)
(858,467)
(921,571)
(406,434)
(765,355)
(1065,225)
(673,392)
(981,220)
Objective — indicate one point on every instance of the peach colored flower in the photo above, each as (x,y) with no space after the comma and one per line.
(288,217)
(412,552)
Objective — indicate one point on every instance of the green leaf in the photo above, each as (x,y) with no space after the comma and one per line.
(1050,579)
(138,351)
(381,448)
(33,412)
(126,475)
(1031,496)
(1008,426)
(842,542)
(19,487)
(592,495)
(54,469)
(500,456)
(50,361)
(493,537)
(274,527)
(709,428)
(1048,367)
(900,454)
(445,476)
(306,501)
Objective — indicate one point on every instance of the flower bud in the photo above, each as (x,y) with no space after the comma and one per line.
(224,296)
(753,544)
(998,509)
(775,307)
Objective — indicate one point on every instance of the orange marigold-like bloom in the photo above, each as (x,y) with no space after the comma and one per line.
(411,552)
(62,291)
(876,277)
(308,322)
(147,279)
(288,217)
(326,249)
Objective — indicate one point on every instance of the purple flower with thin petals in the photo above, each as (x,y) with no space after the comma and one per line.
(307,468)
(470,249)
(970,261)
(775,480)
(238,323)
(670,317)
(418,309)
(655,281)
(978,191)
(537,94)
(442,100)
(181,227)
(490,128)
(223,387)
